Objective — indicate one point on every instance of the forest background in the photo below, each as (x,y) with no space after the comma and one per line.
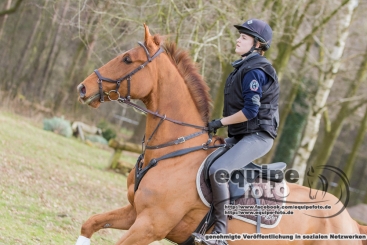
(319,50)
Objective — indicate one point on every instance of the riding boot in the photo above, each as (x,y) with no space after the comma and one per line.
(220,199)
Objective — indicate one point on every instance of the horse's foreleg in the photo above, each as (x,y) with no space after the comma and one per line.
(141,233)
(149,227)
(122,218)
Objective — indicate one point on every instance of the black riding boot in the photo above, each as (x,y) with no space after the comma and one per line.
(220,198)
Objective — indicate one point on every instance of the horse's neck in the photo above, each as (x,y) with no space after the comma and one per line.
(171,97)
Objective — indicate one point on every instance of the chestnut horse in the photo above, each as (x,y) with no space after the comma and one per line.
(166,203)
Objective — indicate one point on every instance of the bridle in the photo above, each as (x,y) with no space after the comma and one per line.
(126,77)
(126,100)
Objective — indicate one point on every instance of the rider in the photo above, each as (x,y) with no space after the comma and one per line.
(250,112)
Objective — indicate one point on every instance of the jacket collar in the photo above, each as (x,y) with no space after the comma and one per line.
(238,63)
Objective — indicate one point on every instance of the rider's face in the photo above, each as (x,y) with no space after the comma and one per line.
(244,43)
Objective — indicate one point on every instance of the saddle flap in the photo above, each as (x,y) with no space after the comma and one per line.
(211,159)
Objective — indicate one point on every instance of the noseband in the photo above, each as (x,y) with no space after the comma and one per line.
(126,77)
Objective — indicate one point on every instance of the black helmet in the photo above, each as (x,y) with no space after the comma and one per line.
(257,29)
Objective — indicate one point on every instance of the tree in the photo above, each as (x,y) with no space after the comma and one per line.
(332,132)
(286,48)
(318,105)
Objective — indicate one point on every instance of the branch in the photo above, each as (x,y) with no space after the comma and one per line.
(11,10)
(327,121)
(352,110)
(300,20)
(317,27)
(344,100)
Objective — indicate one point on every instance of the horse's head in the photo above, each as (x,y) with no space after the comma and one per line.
(124,75)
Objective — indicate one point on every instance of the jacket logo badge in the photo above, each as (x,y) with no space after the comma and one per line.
(254,85)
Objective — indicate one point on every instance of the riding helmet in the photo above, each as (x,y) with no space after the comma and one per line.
(257,29)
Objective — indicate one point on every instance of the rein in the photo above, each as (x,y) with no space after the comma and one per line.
(147,111)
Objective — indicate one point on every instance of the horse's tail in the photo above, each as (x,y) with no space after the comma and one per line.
(363,230)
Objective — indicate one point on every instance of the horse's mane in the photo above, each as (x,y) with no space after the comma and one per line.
(199,90)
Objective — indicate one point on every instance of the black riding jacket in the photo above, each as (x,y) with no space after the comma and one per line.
(267,118)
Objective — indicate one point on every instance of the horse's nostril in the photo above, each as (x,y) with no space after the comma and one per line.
(82,90)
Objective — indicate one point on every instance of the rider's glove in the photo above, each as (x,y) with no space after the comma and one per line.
(214,125)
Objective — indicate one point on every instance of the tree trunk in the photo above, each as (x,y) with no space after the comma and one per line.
(52,54)
(356,147)
(292,130)
(16,85)
(67,88)
(5,17)
(314,118)
(6,57)
(219,98)
(333,133)
(285,112)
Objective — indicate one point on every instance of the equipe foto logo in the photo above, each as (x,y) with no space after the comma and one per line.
(247,179)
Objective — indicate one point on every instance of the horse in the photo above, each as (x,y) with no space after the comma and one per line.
(165,203)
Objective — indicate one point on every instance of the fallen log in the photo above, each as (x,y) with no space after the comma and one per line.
(124,146)
(118,147)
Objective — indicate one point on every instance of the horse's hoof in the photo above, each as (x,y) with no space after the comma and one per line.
(82,240)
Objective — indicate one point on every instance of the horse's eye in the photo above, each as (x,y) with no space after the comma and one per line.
(127,60)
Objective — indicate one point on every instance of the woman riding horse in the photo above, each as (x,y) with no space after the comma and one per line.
(250,111)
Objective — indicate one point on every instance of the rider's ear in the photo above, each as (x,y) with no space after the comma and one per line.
(152,42)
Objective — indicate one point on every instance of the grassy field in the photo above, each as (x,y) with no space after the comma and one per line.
(49,185)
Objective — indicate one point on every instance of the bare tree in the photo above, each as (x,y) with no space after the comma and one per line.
(326,82)
(332,132)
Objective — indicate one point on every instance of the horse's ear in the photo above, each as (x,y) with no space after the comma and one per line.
(147,33)
(151,42)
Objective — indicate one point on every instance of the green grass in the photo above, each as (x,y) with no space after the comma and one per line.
(49,185)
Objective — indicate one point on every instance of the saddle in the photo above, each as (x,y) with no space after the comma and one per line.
(242,179)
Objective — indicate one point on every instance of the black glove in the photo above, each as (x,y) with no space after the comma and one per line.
(214,125)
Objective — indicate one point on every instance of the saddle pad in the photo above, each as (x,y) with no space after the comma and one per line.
(244,207)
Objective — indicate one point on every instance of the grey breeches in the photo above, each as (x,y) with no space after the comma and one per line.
(245,150)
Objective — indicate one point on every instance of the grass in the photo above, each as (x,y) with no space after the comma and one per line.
(49,185)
